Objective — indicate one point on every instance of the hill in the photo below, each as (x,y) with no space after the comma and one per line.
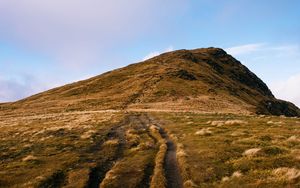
(144,142)
(202,80)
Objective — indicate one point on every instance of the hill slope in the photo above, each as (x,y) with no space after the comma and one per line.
(206,80)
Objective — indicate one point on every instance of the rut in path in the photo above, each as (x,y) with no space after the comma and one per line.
(98,173)
(171,169)
(172,172)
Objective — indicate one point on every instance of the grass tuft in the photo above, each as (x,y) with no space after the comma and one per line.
(158,179)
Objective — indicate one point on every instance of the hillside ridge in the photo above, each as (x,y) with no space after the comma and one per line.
(204,80)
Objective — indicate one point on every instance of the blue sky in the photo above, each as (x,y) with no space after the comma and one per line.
(44,44)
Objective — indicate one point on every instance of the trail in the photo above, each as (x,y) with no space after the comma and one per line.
(171,167)
(138,121)
(98,173)
(172,172)
(143,121)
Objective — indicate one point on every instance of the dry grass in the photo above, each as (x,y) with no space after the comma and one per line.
(183,165)
(112,142)
(158,179)
(293,139)
(248,151)
(220,123)
(235,122)
(290,174)
(204,132)
(296,153)
(251,152)
(29,158)
(244,152)
(50,143)
(236,174)
(77,178)
(181,156)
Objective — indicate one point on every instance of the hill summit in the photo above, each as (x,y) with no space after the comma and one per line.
(201,80)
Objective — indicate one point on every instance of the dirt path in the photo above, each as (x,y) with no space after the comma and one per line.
(172,172)
(98,173)
(138,121)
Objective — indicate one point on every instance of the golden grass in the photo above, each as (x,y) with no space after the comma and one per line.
(183,165)
(290,174)
(66,147)
(49,143)
(251,152)
(158,179)
(204,132)
(77,178)
(244,152)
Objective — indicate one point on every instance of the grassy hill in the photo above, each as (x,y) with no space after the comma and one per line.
(204,80)
(137,127)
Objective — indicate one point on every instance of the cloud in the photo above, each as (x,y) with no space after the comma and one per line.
(156,53)
(75,32)
(270,61)
(17,88)
(288,89)
(11,90)
(244,49)
(74,38)
(258,48)
(274,64)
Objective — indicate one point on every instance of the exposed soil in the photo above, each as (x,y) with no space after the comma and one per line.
(105,162)
(98,173)
(172,172)
(171,167)
(143,121)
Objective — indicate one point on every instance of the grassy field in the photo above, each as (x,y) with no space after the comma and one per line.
(235,151)
(116,149)
(42,150)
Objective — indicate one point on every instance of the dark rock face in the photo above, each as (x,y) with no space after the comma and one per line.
(278,107)
(246,77)
(215,66)
(183,74)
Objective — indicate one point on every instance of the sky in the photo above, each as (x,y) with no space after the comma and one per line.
(45,44)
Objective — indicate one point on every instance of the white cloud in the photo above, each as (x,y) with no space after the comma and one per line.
(76,32)
(244,49)
(274,64)
(156,53)
(288,89)
(77,35)
(17,88)
(256,48)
